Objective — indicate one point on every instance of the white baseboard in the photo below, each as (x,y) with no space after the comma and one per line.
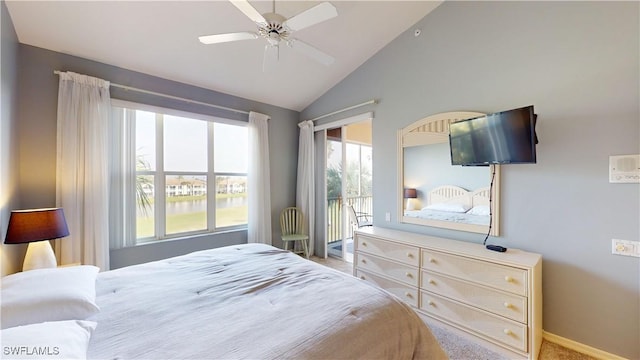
(581,348)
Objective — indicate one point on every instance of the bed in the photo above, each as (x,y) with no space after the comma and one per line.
(456,204)
(250,302)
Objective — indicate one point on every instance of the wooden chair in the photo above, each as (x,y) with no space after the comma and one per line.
(292,225)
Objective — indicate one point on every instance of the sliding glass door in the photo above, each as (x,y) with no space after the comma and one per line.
(348,183)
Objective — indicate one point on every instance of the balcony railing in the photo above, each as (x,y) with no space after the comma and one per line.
(361,204)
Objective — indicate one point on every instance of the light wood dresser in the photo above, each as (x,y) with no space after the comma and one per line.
(495,297)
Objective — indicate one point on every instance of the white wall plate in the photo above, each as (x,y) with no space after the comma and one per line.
(624,169)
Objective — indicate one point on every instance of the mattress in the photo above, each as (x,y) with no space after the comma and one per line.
(251,302)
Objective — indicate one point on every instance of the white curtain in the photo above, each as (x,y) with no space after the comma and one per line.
(305,190)
(259,227)
(321,193)
(122,183)
(82,162)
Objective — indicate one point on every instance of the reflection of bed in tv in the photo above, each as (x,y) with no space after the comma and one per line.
(455,204)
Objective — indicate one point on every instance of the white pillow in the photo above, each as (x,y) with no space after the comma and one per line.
(450,207)
(35,296)
(482,210)
(49,340)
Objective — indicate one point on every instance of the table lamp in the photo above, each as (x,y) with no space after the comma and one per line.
(35,227)
(410,194)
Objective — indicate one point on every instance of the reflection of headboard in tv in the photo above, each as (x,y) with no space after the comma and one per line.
(458,195)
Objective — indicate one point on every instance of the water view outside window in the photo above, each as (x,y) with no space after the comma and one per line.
(145,224)
(193,152)
(231,200)
(231,159)
(185,151)
(145,141)
(186,204)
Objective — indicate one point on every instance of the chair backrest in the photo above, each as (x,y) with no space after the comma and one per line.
(353,219)
(291,221)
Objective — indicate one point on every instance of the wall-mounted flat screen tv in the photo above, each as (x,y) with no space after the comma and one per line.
(506,137)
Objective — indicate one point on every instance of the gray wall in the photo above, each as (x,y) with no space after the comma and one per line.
(11,255)
(38,94)
(577,63)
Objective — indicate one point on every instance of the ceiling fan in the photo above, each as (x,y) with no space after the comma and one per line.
(277,29)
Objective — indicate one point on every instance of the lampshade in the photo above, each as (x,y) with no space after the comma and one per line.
(410,193)
(27,226)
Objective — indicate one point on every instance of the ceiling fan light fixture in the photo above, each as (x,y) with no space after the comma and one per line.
(273,39)
(273,31)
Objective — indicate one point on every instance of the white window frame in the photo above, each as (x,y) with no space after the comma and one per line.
(159,174)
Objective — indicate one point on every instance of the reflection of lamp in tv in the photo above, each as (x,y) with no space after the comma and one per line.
(36,227)
(410,194)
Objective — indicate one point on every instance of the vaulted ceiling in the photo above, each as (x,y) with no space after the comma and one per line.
(160,38)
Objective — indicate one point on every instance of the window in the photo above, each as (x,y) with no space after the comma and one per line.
(190,173)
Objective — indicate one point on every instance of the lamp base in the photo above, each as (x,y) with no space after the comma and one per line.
(39,255)
(410,205)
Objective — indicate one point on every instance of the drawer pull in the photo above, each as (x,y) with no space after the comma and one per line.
(410,255)
(507,305)
(408,294)
(364,243)
(363,261)
(432,282)
(507,332)
(362,277)
(409,275)
(431,303)
(508,279)
(432,260)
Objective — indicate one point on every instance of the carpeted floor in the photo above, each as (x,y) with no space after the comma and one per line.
(459,348)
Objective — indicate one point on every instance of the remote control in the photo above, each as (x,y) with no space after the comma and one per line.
(496,248)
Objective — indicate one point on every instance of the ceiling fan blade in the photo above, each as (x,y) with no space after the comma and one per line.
(311,52)
(271,57)
(220,38)
(249,11)
(316,14)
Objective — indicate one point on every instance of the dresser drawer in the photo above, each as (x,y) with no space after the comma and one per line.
(406,254)
(507,332)
(397,271)
(406,293)
(501,277)
(498,302)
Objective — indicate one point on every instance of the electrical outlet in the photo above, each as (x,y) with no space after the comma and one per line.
(387,216)
(625,247)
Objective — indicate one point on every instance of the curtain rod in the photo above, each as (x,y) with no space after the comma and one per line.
(372,101)
(129,88)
